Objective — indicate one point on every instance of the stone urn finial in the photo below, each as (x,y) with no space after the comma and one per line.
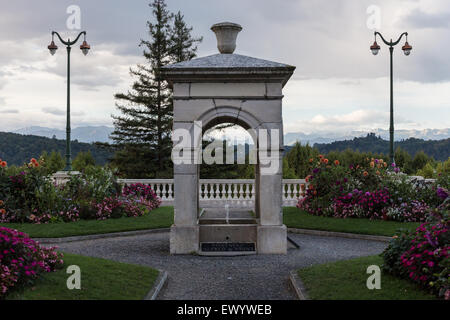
(226,34)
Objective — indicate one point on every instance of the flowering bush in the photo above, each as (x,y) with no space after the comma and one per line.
(415,211)
(423,256)
(136,200)
(359,203)
(28,195)
(22,260)
(368,190)
(143,192)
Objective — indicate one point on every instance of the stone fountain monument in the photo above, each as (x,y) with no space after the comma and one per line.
(228,88)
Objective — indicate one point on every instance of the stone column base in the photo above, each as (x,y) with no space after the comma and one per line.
(184,239)
(272,239)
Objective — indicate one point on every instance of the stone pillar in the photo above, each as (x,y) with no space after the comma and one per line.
(272,233)
(184,233)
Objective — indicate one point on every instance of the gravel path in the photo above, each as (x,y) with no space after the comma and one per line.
(241,277)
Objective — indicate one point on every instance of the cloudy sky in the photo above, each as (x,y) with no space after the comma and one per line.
(338,84)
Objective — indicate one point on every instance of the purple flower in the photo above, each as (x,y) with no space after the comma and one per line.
(442,193)
(430,241)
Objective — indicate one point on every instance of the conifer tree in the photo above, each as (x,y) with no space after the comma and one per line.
(183,46)
(142,131)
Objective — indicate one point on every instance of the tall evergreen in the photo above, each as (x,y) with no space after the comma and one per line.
(183,45)
(142,131)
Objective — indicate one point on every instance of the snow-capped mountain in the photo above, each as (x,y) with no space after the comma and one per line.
(327,137)
(82,134)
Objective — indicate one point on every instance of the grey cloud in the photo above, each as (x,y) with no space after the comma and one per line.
(54,111)
(78,113)
(419,19)
(61,112)
(9,111)
(324,39)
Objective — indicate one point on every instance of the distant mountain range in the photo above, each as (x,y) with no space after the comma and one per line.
(19,149)
(82,134)
(101,134)
(438,149)
(329,137)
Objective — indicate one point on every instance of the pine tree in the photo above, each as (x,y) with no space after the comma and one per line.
(183,45)
(142,131)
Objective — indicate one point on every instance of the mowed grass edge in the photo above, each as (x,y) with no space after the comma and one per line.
(100,280)
(163,218)
(346,280)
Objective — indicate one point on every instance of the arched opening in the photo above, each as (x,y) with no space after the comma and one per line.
(227,171)
(227,188)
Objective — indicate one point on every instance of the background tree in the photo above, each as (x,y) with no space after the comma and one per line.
(403,160)
(288,172)
(53,162)
(298,159)
(183,45)
(83,160)
(142,131)
(420,160)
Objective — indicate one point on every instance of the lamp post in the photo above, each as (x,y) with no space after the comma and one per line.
(406,50)
(85,49)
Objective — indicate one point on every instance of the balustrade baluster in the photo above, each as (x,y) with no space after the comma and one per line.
(170,196)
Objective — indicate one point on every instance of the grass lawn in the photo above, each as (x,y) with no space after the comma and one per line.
(346,280)
(100,280)
(159,218)
(295,218)
(163,218)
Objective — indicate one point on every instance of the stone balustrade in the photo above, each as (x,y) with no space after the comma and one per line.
(238,193)
(219,192)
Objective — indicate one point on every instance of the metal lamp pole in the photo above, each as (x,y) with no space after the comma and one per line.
(85,49)
(406,50)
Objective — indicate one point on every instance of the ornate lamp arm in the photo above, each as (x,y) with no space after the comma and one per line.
(400,38)
(69,43)
(390,43)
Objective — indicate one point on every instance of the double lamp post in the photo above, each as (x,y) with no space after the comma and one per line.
(375,48)
(85,49)
(406,50)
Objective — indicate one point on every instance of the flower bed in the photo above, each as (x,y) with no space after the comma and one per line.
(29,196)
(22,260)
(423,256)
(369,190)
